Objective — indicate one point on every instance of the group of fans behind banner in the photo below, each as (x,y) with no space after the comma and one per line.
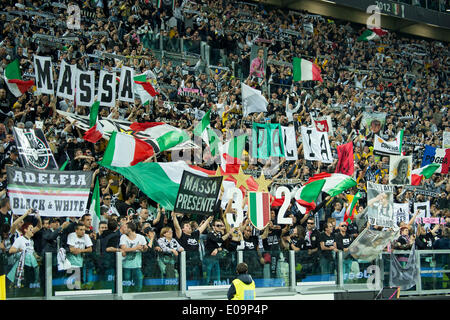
(150,238)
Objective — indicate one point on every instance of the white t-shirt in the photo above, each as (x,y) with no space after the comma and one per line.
(80,243)
(24,244)
(27,246)
(132,259)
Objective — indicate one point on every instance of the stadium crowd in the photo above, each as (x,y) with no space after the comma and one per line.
(404,76)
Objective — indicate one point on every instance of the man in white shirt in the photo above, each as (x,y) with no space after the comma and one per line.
(132,245)
(78,243)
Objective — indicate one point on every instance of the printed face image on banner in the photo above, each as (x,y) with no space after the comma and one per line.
(373,122)
(400,170)
(258,58)
(380,205)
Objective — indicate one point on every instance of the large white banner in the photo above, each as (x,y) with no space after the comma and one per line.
(53,193)
(382,146)
(380,199)
(316,146)
(290,143)
(44,75)
(85,88)
(126,92)
(370,243)
(107,89)
(66,81)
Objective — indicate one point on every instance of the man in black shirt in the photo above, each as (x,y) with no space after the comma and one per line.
(271,243)
(189,240)
(126,208)
(328,250)
(213,246)
(252,255)
(311,245)
(109,245)
(343,240)
(5,212)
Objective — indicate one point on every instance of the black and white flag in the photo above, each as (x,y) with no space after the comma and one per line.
(34,151)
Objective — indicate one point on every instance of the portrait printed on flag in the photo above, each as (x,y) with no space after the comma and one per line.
(258,61)
(380,205)
(373,122)
(400,170)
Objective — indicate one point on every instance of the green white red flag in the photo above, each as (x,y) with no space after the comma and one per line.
(124,150)
(13,79)
(259,209)
(95,132)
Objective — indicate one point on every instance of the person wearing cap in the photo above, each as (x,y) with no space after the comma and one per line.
(243,287)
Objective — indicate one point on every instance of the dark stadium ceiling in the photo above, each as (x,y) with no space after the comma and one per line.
(417,21)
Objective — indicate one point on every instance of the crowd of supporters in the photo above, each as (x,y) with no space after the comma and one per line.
(404,76)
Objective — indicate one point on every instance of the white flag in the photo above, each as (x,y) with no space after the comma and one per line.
(66,81)
(316,146)
(107,89)
(290,143)
(43,71)
(253,100)
(85,94)
(401,212)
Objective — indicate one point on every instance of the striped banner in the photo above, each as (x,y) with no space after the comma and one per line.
(259,209)
(53,193)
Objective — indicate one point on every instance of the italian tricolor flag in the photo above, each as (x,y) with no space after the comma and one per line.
(124,150)
(230,154)
(305,70)
(259,209)
(144,88)
(351,211)
(165,136)
(95,132)
(204,130)
(424,172)
(13,79)
(371,34)
(159,180)
(330,183)
(94,209)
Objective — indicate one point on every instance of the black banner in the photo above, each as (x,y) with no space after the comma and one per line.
(34,151)
(197,194)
